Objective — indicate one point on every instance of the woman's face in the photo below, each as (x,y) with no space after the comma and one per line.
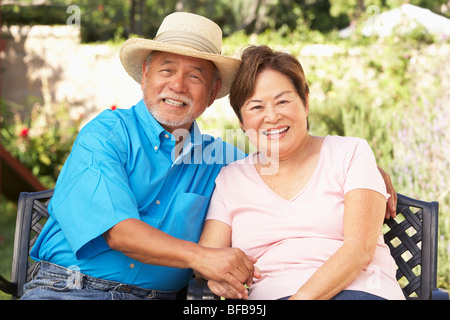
(274,117)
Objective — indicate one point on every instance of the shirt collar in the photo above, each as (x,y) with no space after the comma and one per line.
(154,130)
(151,127)
(196,135)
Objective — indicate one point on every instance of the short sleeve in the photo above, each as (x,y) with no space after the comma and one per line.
(362,172)
(92,194)
(217,208)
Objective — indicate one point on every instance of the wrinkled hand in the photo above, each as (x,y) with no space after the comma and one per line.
(228,269)
(223,289)
(391,208)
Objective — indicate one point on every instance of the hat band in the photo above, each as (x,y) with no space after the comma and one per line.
(185,38)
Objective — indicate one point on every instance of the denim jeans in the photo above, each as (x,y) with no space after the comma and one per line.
(351,295)
(355,295)
(52,282)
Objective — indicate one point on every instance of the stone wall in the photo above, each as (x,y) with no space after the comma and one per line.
(49,63)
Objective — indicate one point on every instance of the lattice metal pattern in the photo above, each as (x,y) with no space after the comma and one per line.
(404,238)
(39,218)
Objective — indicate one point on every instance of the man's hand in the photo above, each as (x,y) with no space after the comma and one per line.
(228,270)
(391,208)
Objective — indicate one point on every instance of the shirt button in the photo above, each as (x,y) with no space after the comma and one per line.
(158,202)
(166,136)
(156,148)
(132,266)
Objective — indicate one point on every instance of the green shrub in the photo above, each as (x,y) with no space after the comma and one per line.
(40,139)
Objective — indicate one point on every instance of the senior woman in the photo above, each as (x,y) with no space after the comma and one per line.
(309,208)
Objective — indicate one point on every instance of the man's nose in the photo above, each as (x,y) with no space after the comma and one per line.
(177,84)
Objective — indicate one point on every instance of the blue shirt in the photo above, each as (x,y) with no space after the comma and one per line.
(122,166)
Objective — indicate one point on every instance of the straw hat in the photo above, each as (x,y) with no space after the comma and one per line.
(185,34)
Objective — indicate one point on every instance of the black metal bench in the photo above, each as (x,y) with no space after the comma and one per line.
(412,237)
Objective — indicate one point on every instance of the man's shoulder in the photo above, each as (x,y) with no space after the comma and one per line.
(217,148)
(110,120)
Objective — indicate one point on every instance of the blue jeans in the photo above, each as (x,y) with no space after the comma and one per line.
(351,295)
(356,295)
(52,282)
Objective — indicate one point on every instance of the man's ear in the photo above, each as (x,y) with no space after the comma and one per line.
(144,74)
(215,91)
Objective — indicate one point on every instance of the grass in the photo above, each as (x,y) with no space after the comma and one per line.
(8,211)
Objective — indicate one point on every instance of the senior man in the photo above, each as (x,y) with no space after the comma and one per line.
(130,202)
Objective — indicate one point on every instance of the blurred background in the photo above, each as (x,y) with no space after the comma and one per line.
(377,69)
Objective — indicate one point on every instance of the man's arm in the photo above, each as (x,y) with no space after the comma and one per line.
(149,245)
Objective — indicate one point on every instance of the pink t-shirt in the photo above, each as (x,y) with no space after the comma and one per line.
(292,238)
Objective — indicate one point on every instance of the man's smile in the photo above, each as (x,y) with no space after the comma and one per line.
(174,103)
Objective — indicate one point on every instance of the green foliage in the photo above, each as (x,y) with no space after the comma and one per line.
(103,20)
(23,15)
(41,140)
(8,211)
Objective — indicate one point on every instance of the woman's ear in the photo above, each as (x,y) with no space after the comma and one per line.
(242,126)
(307,104)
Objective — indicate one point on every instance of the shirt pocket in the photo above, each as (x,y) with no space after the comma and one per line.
(184,216)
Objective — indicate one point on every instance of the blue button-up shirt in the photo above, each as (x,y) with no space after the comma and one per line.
(122,166)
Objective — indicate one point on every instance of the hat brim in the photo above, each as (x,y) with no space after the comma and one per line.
(134,51)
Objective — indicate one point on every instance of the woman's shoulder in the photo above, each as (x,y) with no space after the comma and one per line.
(238,165)
(344,143)
(238,170)
(345,140)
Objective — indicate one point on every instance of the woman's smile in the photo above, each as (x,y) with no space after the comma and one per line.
(276,133)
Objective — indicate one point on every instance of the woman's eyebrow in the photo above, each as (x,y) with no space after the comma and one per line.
(276,97)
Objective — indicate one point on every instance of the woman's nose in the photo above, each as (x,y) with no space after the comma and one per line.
(271,114)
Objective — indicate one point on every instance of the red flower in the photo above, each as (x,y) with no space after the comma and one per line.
(24,132)
(113,107)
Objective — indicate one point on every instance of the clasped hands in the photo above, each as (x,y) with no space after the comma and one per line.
(229,272)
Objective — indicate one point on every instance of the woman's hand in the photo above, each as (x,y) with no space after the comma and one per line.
(227,291)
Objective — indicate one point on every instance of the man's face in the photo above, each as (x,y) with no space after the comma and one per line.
(177,89)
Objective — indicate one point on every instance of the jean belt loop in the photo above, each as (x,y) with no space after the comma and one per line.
(36,268)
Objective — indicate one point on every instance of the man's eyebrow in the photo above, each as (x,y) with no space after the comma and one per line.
(170,61)
(167,61)
(195,67)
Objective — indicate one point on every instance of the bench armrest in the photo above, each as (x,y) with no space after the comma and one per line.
(8,287)
(198,290)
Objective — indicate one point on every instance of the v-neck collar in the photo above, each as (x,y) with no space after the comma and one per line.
(302,191)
